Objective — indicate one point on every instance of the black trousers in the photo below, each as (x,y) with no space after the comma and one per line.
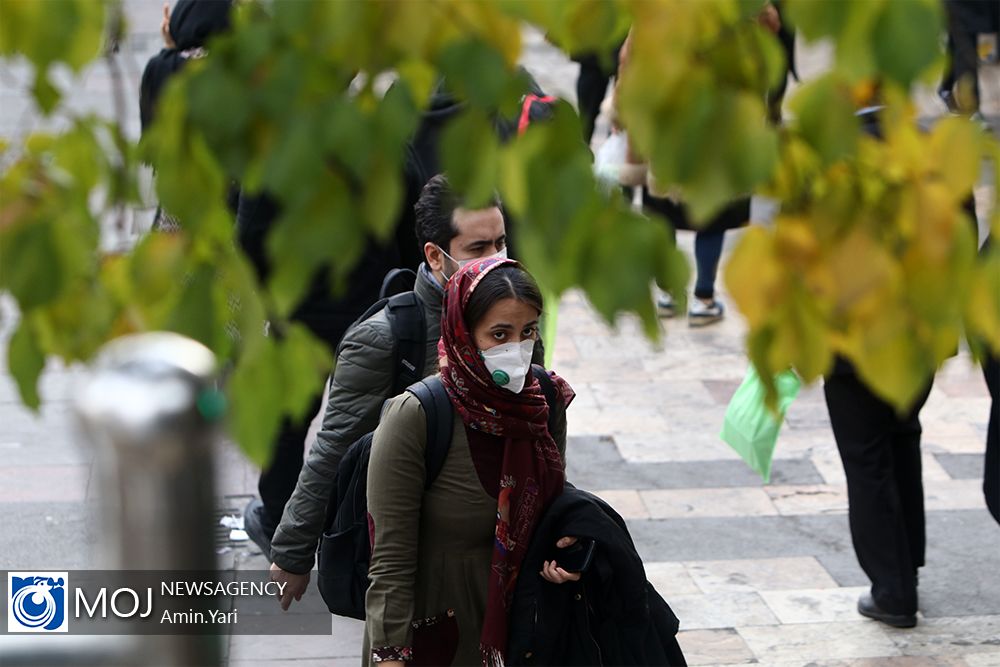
(991,472)
(591,86)
(963,65)
(277,482)
(881,455)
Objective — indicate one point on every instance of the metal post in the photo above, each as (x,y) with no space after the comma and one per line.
(150,411)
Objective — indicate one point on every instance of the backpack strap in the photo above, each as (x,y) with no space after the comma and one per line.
(548,389)
(409,330)
(434,399)
(372,309)
(437,407)
(407,278)
(526,104)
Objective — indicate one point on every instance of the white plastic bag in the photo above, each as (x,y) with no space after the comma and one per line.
(610,158)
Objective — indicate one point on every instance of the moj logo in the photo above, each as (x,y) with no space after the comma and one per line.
(36,601)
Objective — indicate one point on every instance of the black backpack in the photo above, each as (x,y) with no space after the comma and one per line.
(409,328)
(345,549)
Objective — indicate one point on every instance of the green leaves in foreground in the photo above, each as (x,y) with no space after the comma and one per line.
(275,378)
(870,258)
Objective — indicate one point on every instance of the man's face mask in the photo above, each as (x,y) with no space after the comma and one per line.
(509,364)
(463,262)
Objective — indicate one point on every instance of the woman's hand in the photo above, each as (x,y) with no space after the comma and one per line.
(551,570)
(769,18)
(295,585)
(168,40)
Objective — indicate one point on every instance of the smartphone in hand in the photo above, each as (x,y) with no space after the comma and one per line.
(575,558)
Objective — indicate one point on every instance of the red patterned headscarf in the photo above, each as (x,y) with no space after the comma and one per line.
(531,471)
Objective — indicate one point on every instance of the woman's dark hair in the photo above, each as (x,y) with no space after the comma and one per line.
(504,282)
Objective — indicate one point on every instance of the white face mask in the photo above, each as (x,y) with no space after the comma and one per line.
(463,262)
(509,364)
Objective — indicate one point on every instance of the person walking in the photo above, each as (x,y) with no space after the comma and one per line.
(445,560)
(449,237)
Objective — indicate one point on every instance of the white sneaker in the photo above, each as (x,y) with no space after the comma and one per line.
(665,305)
(702,314)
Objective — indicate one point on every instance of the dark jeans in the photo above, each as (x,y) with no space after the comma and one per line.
(707,252)
(881,455)
(963,66)
(591,86)
(991,472)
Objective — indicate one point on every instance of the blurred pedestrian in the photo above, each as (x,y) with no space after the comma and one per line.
(185,32)
(967,19)
(880,449)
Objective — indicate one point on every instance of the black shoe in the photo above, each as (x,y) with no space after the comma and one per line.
(868,607)
(253,524)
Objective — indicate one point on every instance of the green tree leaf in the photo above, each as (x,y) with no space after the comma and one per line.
(26,359)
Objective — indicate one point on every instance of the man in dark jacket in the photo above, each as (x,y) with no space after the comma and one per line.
(327,316)
(449,236)
(611,616)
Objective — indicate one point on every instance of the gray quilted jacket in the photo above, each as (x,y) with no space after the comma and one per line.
(361,383)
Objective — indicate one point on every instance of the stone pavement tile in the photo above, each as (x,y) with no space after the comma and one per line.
(759,574)
(721,391)
(670,579)
(828,463)
(826,538)
(953,494)
(700,503)
(626,502)
(616,421)
(799,443)
(951,438)
(967,409)
(964,386)
(48,536)
(234,474)
(983,659)
(46,438)
(818,641)
(808,499)
(720,610)
(586,370)
(657,394)
(897,661)
(565,351)
(352,661)
(345,642)
(825,605)
(678,442)
(713,647)
(53,483)
(956,636)
(604,348)
(584,399)
(962,466)
(593,462)
(931,469)
(808,415)
(711,366)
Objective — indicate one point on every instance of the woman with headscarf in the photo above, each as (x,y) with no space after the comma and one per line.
(445,560)
(185,32)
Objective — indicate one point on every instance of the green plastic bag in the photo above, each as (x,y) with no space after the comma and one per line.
(750,427)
